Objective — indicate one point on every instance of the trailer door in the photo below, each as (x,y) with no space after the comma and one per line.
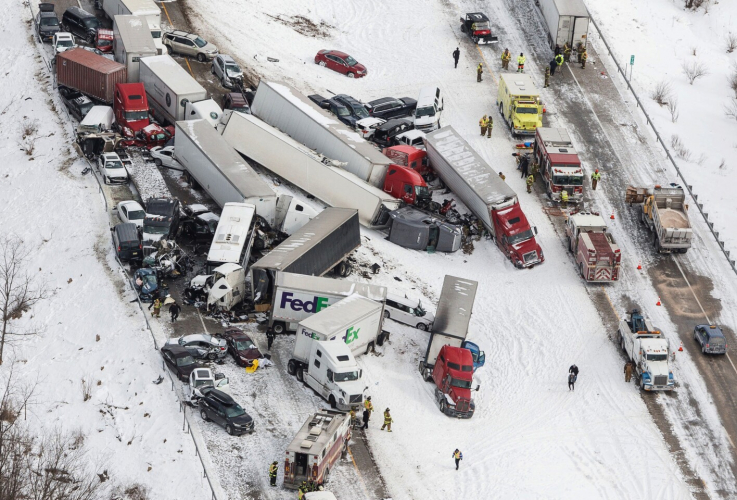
(580,31)
(565,30)
(300,466)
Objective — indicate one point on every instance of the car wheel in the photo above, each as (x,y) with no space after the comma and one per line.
(157,162)
(422,326)
(229,429)
(703,350)
(203,414)
(222,83)
(333,403)
(106,180)
(322,63)
(212,356)
(279,327)
(201,57)
(300,374)
(212,69)
(291,367)
(168,50)
(386,314)
(350,75)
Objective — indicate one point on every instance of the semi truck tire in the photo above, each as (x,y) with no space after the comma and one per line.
(291,367)
(370,347)
(300,374)
(332,402)
(279,327)
(442,406)
(380,339)
(568,244)
(326,475)
(386,314)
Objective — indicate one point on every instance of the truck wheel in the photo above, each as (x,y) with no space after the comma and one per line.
(380,339)
(332,402)
(642,384)
(279,327)
(291,367)
(386,314)
(370,347)
(422,326)
(300,374)
(475,40)
(580,268)
(341,269)
(326,475)
(568,243)
(168,49)
(442,406)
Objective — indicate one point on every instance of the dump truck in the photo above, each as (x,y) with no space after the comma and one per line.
(597,255)
(482,190)
(567,22)
(447,361)
(665,213)
(519,103)
(649,350)
(560,167)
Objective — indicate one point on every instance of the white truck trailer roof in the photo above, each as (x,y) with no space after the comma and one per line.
(341,315)
(173,75)
(231,233)
(135,34)
(455,306)
(331,286)
(571,8)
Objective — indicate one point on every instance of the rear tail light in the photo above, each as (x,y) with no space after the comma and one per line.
(140,247)
(118,248)
(707,345)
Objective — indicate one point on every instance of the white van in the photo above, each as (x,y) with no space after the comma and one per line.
(429,109)
(408,311)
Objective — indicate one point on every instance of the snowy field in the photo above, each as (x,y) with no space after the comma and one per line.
(130,427)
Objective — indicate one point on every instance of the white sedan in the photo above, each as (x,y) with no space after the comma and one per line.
(165,156)
(131,211)
(367,126)
(112,169)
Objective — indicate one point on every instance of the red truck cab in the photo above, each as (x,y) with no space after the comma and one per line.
(131,107)
(560,167)
(453,377)
(409,156)
(516,238)
(407,185)
(104,41)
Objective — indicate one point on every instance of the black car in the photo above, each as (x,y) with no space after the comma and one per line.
(710,338)
(166,208)
(179,360)
(389,107)
(224,411)
(127,241)
(355,108)
(76,102)
(81,23)
(385,134)
(200,226)
(46,22)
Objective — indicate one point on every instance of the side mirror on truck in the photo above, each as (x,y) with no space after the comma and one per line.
(478,387)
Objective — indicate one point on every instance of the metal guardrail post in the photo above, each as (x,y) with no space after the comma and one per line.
(699,206)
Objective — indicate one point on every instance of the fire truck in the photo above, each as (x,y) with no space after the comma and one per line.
(316,448)
(559,165)
(597,255)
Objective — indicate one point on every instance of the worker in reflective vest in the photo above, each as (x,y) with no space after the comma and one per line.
(387,421)
(595,179)
(457,456)
(273,469)
(521,63)
(564,199)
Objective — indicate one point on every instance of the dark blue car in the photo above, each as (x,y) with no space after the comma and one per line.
(146,284)
(710,338)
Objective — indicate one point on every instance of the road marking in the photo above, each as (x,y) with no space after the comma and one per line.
(611,304)
(202,320)
(190,67)
(167,14)
(363,484)
(487,64)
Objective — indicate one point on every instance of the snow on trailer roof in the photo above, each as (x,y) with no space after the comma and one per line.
(474,171)
(455,306)
(172,74)
(571,8)
(135,33)
(225,158)
(338,129)
(330,285)
(341,314)
(316,432)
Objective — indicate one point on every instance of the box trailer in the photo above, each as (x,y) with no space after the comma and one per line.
(169,88)
(309,171)
(355,321)
(132,41)
(485,194)
(89,73)
(567,22)
(284,107)
(230,244)
(319,246)
(297,297)
(143,8)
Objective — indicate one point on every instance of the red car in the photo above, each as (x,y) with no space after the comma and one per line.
(104,42)
(340,62)
(241,347)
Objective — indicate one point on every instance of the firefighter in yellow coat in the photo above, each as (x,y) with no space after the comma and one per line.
(387,421)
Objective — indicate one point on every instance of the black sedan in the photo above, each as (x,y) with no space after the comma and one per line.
(385,134)
(389,107)
(179,360)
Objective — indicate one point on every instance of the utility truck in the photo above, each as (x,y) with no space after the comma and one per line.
(296,297)
(482,190)
(519,103)
(665,213)
(560,167)
(649,350)
(597,255)
(448,362)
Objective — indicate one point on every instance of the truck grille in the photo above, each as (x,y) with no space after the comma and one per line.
(357,398)
(661,380)
(462,405)
(530,257)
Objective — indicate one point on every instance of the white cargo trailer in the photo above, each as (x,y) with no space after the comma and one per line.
(567,21)
(297,297)
(132,41)
(169,88)
(145,8)
(230,244)
(226,177)
(284,107)
(311,172)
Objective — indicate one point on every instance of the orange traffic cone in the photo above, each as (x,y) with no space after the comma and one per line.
(658,302)
(639,266)
(612,217)
(680,348)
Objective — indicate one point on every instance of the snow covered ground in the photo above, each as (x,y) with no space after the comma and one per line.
(131,427)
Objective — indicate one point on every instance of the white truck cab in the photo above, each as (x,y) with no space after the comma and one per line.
(225,287)
(334,374)
(207,110)
(649,350)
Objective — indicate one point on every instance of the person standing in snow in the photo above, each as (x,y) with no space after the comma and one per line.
(366,417)
(174,311)
(483,123)
(387,421)
(629,367)
(506,57)
(457,456)
(270,337)
(479,72)
(572,377)
(489,126)
(595,179)
(156,304)
(273,469)
(456,55)
(567,52)
(584,56)
(553,66)
(368,404)
(521,63)
(547,77)
(529,182)
(524,166)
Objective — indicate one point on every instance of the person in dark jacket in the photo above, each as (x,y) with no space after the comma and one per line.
(457,456)
(553,66)
(524,166)
(572,377)
(366,417)
(174,311)
(456,55)
(573,369)
(270,337)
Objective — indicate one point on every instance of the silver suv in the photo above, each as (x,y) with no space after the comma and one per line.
(189,44)
(202,345)
(228,71)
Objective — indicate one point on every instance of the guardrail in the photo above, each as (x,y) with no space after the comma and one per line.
(186,426)
(689,188)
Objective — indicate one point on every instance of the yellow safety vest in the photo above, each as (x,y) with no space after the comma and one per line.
(521,60)
(564,196)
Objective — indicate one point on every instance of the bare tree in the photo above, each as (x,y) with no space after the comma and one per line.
(693,71)
(673,108)
(679,148)
(732,78)
(661,93)
(19,291)
(731,109)
(731,42)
